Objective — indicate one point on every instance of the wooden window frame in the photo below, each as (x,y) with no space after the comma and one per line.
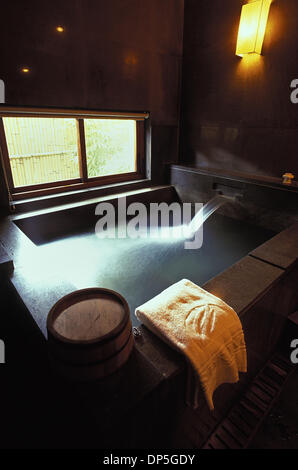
(83,182)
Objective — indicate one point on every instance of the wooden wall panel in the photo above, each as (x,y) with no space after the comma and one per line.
(116,54)
(237,113)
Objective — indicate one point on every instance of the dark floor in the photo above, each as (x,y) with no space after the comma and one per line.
(280,429)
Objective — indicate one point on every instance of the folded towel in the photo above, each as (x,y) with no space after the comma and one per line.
(202,327)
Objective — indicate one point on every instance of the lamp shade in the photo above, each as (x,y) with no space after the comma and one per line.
(252,28)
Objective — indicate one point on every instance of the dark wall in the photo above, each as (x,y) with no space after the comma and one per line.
(114,54)
(237,113)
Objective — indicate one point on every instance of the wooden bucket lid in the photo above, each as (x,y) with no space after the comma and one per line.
(88,316)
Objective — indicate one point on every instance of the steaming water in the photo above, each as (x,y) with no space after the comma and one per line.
(184,232)
(139,269)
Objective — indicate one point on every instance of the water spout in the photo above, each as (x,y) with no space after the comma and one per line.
(206,211)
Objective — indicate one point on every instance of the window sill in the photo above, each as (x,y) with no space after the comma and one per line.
(48,201)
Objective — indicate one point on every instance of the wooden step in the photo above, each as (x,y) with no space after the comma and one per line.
(239,427)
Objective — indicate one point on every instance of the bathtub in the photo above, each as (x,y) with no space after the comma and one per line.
(251,267)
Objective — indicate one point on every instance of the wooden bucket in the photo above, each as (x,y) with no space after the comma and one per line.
(89,334)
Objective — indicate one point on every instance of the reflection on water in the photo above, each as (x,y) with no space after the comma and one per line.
(141,268)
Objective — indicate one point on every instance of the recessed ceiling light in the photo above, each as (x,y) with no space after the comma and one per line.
(25,70)
(60,29)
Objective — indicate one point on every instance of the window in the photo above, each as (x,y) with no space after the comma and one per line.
(110,146)
(49,151)
(41,150)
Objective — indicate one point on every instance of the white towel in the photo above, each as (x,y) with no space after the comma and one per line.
(202,327)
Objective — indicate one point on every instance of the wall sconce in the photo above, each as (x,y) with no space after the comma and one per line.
(252,27)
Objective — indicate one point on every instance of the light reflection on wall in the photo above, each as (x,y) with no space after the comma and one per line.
(251,62)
